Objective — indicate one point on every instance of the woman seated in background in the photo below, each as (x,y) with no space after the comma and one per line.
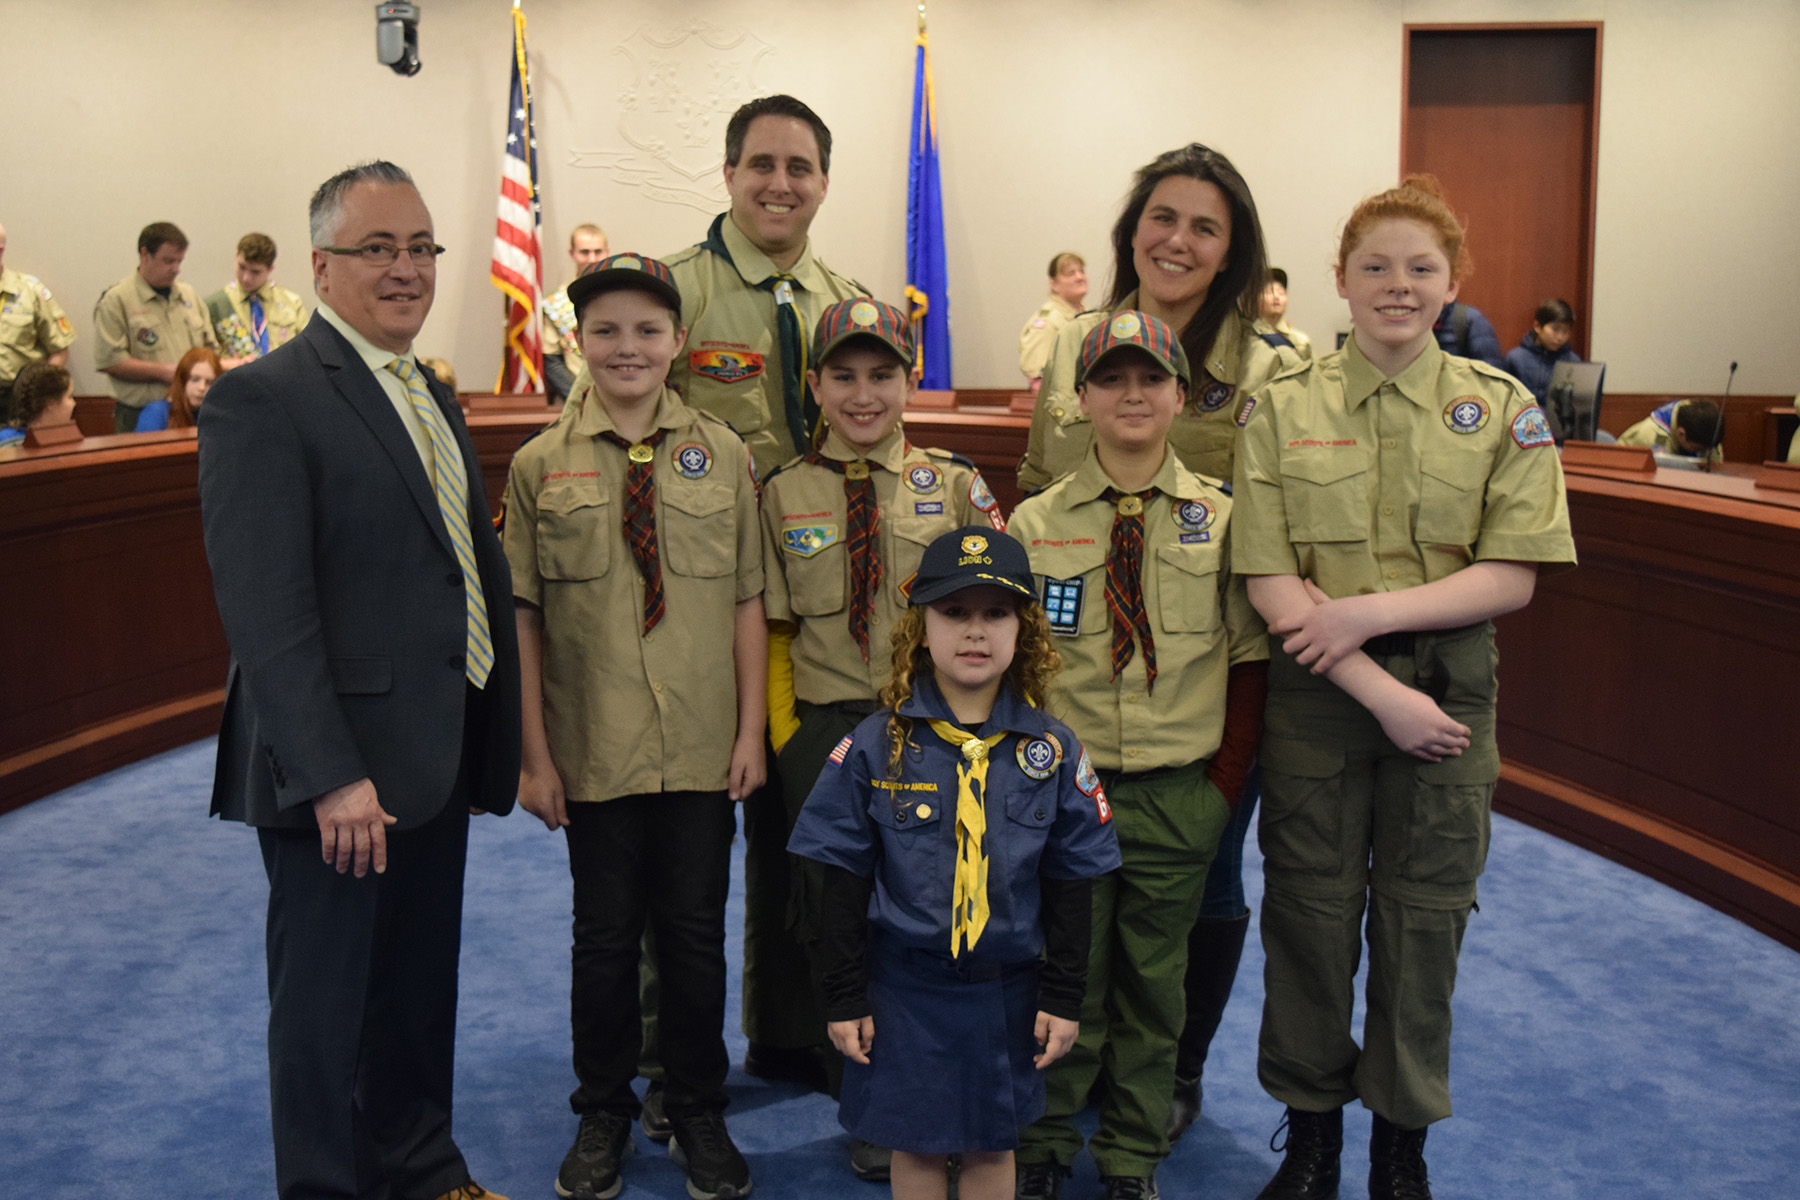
(43,394)
(194,376)
(1534,359)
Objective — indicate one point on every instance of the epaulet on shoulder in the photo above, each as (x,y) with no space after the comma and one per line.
(1493,372)
(1292,372)
(686,254)
(792,462)
(711,419)
(949,456)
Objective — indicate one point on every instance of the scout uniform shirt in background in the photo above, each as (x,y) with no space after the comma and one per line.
(1204,435)
(920,494)
(132,321)
(1200,615)
(732,364)
(1366,485)
(32,325)
(559,331)
(1040,332)
(1656,432)
(629,713)
(235,327)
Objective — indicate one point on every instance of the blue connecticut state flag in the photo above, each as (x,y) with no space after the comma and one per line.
(927,276)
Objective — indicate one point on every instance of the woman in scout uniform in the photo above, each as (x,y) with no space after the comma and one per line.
(1162,680)
(1188,250)
(844,529)
(956,832)
(633,538)
(1391,500)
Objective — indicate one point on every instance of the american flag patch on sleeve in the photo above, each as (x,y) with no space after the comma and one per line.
(843,748)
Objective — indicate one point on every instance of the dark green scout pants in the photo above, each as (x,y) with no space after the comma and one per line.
(1351,822)
(1168,825)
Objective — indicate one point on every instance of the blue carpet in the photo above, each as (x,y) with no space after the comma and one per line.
(1614,1038)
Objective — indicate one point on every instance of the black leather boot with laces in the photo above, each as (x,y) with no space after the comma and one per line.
(1310,1170)
(1397,1162)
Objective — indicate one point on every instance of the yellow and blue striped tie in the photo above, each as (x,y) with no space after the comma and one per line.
(450,480)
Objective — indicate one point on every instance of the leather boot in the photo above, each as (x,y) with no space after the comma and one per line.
(1310,1170)
(1397,1162)
(1214,947)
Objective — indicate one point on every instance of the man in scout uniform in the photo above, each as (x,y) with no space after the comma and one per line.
(250,315)
(636,553)
(1162,679)
(562,352)
(1068,288)
(1688,428)
(144,323)
(844,528)
(32,326)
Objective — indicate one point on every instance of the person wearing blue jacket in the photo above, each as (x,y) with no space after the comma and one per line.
(1533,360)
(1464,330)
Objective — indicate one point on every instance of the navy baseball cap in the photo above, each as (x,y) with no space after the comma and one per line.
(970,557)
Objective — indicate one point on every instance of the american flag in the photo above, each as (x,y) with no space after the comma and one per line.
(518,268)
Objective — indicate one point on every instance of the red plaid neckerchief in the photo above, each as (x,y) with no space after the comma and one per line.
(1125,582)
(863,519)
(640,517)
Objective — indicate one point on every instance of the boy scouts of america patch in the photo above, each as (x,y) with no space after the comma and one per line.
(692,460)
(1531,429)
(1062,605)
(808,540)
(843,748)
(147,336)
(1126,325)
(1216,396)
(1466,414)
(922,478)
(1244,416)
(1088,783)
(1039,757)
(726,366)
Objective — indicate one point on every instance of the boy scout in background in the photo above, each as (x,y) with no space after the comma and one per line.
(1688,428)
(1163,681)
(562,352)
(844,527)
(32,326)
(144,323)
(251,315)
(1068,288)
(637,566)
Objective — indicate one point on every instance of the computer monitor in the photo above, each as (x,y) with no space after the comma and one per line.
(1573,402)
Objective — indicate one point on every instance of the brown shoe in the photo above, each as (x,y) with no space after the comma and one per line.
(471,1191)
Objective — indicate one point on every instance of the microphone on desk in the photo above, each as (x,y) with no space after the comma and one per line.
(1706,459)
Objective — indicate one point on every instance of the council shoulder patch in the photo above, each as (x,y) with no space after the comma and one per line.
(923,478)
(726,366)
(1466,414)
(807,540)
(982,501)
(692,460)
(1216,396)
(1039,757)
(1531,429)
(842,748)
(1087,782)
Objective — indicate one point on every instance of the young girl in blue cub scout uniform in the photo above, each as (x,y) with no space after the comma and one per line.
(1392,499)
(961,828)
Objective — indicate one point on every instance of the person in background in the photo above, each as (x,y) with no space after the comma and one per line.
(562,351)
(32,325)
(1068,288)
(144,323)
(1464,330)
(1684,428)
(43,394)
(1272,311)
(252,315)
(1793,454)
(195,374)
(1534,359)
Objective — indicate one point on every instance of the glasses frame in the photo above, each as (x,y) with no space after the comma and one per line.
(387,260)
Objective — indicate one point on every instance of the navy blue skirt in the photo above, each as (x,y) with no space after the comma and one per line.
(950,1068)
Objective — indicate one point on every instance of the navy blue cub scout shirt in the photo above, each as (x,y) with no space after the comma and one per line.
(1046,815)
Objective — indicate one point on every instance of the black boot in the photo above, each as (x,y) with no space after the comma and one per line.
(1397,1162)
(1310,1170)
(1214,947)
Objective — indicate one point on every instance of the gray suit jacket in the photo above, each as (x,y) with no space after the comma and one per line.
(341,597)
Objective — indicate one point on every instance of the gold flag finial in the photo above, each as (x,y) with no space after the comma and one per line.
(921,16)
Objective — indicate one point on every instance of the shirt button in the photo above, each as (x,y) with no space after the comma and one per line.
(900,818)
(1387,510)
(1132,753)
(1393,574)
(1057,413)
(1038,815)
(657,688)
(1389,443)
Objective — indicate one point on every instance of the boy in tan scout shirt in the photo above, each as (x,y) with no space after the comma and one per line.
(144,323)
(634,545)
(1162,679)
(252,314)
(844,529)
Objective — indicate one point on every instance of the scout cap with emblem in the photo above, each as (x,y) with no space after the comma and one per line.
(970,557)
(620,271)
(863,317)
(1131,328)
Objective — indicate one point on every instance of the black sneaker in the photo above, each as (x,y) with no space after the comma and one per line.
(654,1121)
(869,1162)
(590,1170)
(1130,1187)
(1039,1180)
(702,1148)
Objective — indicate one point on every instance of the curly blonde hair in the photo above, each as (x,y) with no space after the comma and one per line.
(1035,663)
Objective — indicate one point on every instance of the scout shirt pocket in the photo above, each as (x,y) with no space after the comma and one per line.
(906,549)
(1451,486)
(698,533)
(1072,585)
(1187,583)
(573,538)
(910,815)
(732,383)
(1030,812)
(816,564)
(1326,491)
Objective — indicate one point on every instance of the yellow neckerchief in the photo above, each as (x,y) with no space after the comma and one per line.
(969,899)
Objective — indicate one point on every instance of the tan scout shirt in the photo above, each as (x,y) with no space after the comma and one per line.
(1204,436)
(1794,443)
(132,321)
(1040,333)
(1365,485)
(921,493)
(628,713)
(1652,436)
(1302,344)
(732,364)
(1200,615)
(32,324)
(559,331)
(229,310)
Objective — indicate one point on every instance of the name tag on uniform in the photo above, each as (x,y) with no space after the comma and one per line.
(1062,605)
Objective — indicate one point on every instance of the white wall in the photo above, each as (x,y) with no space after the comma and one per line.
(222,116)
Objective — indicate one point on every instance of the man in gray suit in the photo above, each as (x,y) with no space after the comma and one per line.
(373,698)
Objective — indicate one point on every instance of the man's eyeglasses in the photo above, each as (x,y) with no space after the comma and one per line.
(383,254)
